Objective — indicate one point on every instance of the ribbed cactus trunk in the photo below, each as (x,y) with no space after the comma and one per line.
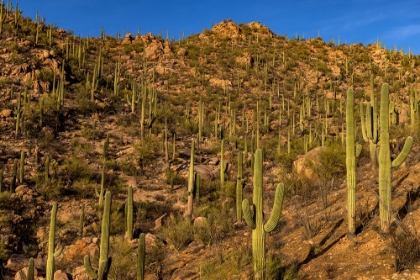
(189,212)
(141,250)
(49,275)
(103,255)
(258,234)
(130,213)
(104,261)
(255,221)
(384,161)
(350,163)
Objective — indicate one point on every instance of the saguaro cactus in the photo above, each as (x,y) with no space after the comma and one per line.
(256,221)
(350,162)
(369,123)
(104,260)
(385,162)
(188,214)
(129,214)
(141,257)
(51,242)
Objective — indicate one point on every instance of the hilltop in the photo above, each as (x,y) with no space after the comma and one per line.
(80,113)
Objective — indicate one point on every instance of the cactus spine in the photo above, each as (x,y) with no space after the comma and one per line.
(256,222)
(384,159)
(104,260)
(350,162)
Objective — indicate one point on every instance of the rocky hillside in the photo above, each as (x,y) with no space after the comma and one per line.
(83,116)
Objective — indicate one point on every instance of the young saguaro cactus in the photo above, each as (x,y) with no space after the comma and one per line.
(385,162)
(129,214)
(256,221)
(51,242)
(104,260)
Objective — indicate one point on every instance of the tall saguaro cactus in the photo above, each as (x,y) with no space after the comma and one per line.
(104,260)
(385,162)
(350,162)
(256,221)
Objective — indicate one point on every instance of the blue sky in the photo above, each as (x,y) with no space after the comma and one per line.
(395,23)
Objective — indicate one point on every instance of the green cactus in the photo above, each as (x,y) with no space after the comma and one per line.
(414,109)
(239,188)
(369,123)
(30,274)
(81,221)
(104,260)
(49,275)
(129,232)
(351,163)
(197,179)
(385,162)
(223,164)
(256,221)
(190,191)
(141,257)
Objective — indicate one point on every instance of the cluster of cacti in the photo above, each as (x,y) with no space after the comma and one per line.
(104,260)
(384,159)
(256,221)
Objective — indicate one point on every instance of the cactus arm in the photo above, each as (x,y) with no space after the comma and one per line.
(363,124)
(358,150)
(249,219)
(275,213)
(88,268)
(190,191)
(58,252)
(404,152)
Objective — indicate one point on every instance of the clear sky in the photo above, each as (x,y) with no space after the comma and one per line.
(394,22)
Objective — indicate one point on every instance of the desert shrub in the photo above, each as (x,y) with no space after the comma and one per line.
(216,226)
(4,200)
(179,232)
(123,264)
(405,245)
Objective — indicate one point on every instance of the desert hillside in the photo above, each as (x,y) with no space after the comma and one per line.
(119,151)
